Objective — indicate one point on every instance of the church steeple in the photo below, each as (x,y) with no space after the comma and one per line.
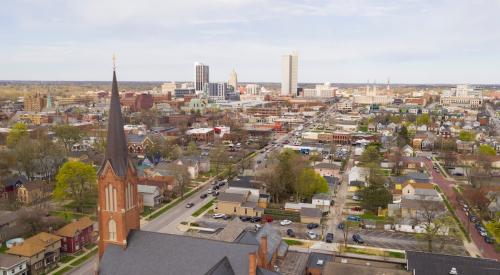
(118,208)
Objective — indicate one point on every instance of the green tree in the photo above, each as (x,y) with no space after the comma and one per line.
(371,154)
(403,137)
(375,195)
(17,132)
(310,183)
(192,148)
(423,119)
(466,136)
(74,181)
(68,135)
(487,150)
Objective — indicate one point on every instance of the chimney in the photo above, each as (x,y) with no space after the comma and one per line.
(262,252)
(252,264)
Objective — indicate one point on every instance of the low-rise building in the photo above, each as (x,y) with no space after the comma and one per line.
(238,204)
(42,251)
(76,235)
(32,192)
(13,265)
(151,195)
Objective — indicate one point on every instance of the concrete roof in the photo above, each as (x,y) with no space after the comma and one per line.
(310,212)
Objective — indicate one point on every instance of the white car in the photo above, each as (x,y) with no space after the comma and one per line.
(285,222)
(311,235)
(218,216)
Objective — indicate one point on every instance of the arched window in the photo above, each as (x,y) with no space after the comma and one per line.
(115,203)
(107,196)
(112,230)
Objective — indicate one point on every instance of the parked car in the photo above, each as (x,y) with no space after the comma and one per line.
(215,194)
(356,197)
(489,240)
(257,226)
(357,208)
(329,237)
(218,216)
(226,217)
(341,226)
(290,233)
(204,195)
(285,222)
(268,219)
(245,218)
(472,218)
(311,235)
(189,205)
(222,183)
(353,218)
(255,219)
(209,191)
(357,238)
(312,225)
(483,233)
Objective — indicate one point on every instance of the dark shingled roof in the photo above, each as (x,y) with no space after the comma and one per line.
(157,253)
(116,148)
(312,261)
(423,263)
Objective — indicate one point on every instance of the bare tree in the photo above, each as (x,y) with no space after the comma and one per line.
(183,178)
(438,227)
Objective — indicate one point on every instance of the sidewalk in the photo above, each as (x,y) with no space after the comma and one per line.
(66,267)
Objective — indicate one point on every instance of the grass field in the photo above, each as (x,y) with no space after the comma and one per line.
(293,242)
(203,208)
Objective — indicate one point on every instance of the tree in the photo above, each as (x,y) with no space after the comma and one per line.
(371,154)
(182,178)
(310,183)
(423,119)
(218,157)
(487,150)
(375,196)
(75,180)
(466,136)
(437,225)
(315,158)
(273,184)
(68,135)
(397,158)
(403,136)
(17,132)
(192,148)
(25,153)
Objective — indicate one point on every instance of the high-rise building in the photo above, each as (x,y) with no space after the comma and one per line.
(216,91)
(168,88)
(233,80)
(118,210)
(201,76)
(35,103)
(252,89)
(289,69)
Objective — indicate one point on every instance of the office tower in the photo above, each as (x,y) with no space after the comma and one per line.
(216,91)
(35,103)
(201,76)
(252,89)
(289,65)
(233,80)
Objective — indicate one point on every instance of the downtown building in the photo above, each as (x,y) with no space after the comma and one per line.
(216,91)
(201,76)
(325,91)
(289,68)
(462,96)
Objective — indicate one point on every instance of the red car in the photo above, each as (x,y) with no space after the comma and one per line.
(357,208)
(268,219)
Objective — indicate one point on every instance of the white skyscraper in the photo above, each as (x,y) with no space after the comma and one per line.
(289,69)
(233,80)
(201,76)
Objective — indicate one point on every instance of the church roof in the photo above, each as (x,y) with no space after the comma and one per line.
(158,253)
(116,147)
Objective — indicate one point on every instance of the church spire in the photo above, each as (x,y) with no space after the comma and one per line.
(116,147)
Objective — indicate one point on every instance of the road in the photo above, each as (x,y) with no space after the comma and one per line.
(487,250)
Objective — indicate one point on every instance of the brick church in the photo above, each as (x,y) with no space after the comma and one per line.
(125,249)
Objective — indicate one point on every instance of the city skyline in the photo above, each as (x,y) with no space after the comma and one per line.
(340,42)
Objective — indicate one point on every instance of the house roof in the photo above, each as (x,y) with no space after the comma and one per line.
(149,253)
(244,182)
(33,185)
(34,245)
(70,230)
(411,203)
(147,188)
(310,212)
(7,261)
(116,146)
(252,237)
(314,258)
(424,263)
(232,197)
(321,196)
(418,185)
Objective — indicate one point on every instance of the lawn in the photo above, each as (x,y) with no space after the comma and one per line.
(147,211)
(63,271)
(293,242)
(66,258)
(373,252)
(203,208)
(84,258)
(370,216)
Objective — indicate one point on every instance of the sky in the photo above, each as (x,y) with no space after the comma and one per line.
(339,41)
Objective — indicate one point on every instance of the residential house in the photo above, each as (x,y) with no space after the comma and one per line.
(465,147)
(13,265)
(322,201)
(245,184)
(238,204)
(327,169)
(76,235)
(165,184)
(42,251)
(151,195)
(34,191)
(413,163)
(9,185)
(407,151)
(412,188)
(494,206)
(358,174)
(418,177)
(192,164)
(310,215)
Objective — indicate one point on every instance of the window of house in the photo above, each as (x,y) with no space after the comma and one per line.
(234,209)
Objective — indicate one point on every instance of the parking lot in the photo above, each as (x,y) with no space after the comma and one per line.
(403,241)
